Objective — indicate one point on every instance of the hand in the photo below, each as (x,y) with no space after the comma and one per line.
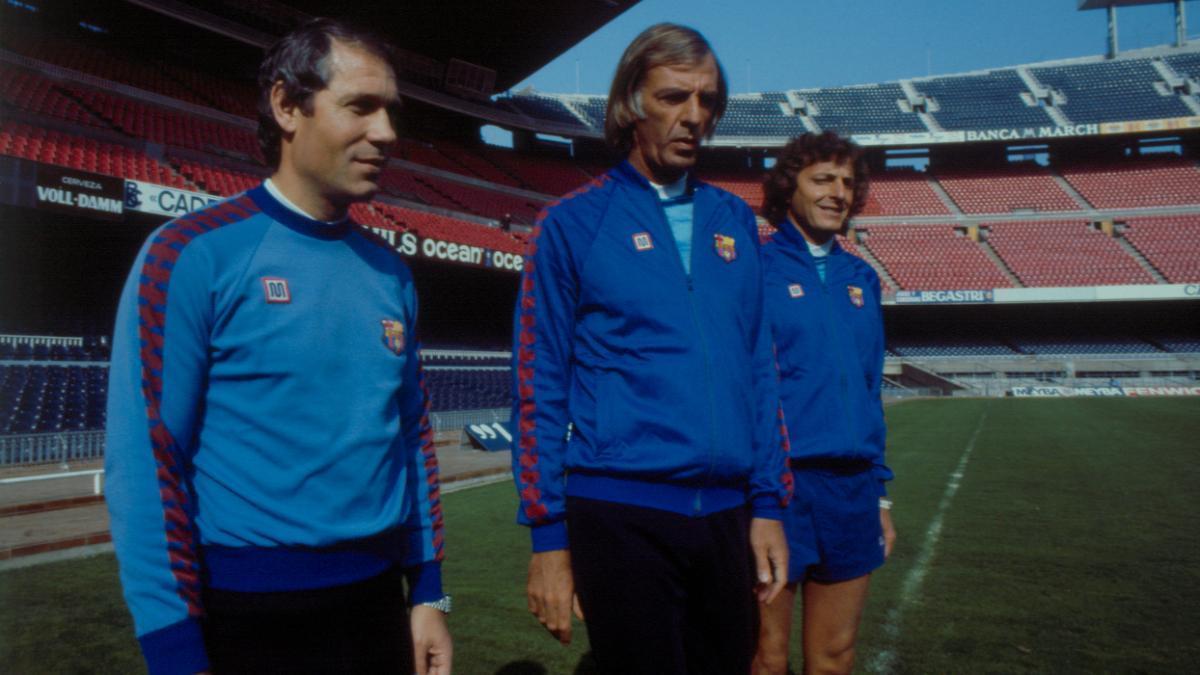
(551,592)
(432,648)
(770,557)
(889,531)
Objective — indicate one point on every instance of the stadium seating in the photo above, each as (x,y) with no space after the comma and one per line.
(1082,344)
(554,176)
(464,388)
(1122,89)
(1014,188)
(159,125)
(746,185)
(932,257)
(1170,243)
(1063,253)
(982,101)
(759,115)
(1146,183)
(218,177)
(542,107)
(1187,65)
(78,152)
(31,92)
(902,193)
(93,58)
(866,109)
(45,398)
(948,347)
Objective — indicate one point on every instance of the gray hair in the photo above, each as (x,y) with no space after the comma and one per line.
(663,44)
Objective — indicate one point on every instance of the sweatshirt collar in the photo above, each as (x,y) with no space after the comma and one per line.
(274,204)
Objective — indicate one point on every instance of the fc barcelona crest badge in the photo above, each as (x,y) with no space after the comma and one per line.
(725,247)
(393,335)
(856,296)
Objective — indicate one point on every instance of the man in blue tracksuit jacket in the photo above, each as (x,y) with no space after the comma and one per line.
(827,325)
(271,475)
(648,452)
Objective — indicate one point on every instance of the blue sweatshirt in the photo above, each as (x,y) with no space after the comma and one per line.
(636,381)
(829,344)
(267,423)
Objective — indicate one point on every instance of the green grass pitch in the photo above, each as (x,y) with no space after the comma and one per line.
(1067,544)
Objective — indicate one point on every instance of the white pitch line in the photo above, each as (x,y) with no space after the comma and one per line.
(885,660)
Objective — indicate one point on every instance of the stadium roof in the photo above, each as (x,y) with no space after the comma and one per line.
(513,38)
(1101,4)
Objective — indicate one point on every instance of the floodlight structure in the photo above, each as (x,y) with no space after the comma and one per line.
(1111,6)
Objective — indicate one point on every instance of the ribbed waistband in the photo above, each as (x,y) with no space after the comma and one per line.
(688,500)
(287,568)
(845,467)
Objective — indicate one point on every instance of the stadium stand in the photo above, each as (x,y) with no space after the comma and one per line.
(746,186)
(902,193)
(543,107)
(218,177)
(1063,253)
(47,398)
(1082,344)
(55,147)
(906,251)
(92,57)
(1170,243)
(31,92)
(1121,89)
(948,347)
(1007,190)
(548,175)
(1146,183)
(866,109)
(981,101)
(468,388)
(759,115)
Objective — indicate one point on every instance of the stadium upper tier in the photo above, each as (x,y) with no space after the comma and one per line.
(1158,83)
(1029,225)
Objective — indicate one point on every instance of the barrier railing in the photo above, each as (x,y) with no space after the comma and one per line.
(61,447)
(96,474)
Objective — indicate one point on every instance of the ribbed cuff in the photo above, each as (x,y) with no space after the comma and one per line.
(424,583)
(177,649)
(550,537)
(766,506)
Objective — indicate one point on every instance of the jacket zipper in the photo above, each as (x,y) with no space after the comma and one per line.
(697,504)
(839,348)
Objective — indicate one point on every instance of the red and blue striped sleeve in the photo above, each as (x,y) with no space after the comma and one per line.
(425,524)
(542,347)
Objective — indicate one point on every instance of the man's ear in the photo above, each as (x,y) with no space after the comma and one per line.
(284,110)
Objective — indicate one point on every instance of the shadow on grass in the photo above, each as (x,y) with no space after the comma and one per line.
(586,666)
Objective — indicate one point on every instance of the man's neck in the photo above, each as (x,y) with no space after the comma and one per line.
(657,175)
(811,235)
(305,199)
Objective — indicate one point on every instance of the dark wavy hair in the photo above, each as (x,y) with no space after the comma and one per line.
(806,150)
(298,60)
(663,44)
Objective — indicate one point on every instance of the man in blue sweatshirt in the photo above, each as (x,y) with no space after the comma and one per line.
(271,474)
(648,452)
(827,325)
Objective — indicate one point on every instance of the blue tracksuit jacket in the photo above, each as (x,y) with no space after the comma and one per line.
(267,425)
(829,345)
(637,382)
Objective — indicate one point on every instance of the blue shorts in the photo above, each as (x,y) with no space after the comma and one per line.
(832,525)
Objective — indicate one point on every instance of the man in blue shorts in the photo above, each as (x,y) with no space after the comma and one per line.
(826,321)
(648,458)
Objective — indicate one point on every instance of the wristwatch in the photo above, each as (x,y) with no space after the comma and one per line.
(442,604)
